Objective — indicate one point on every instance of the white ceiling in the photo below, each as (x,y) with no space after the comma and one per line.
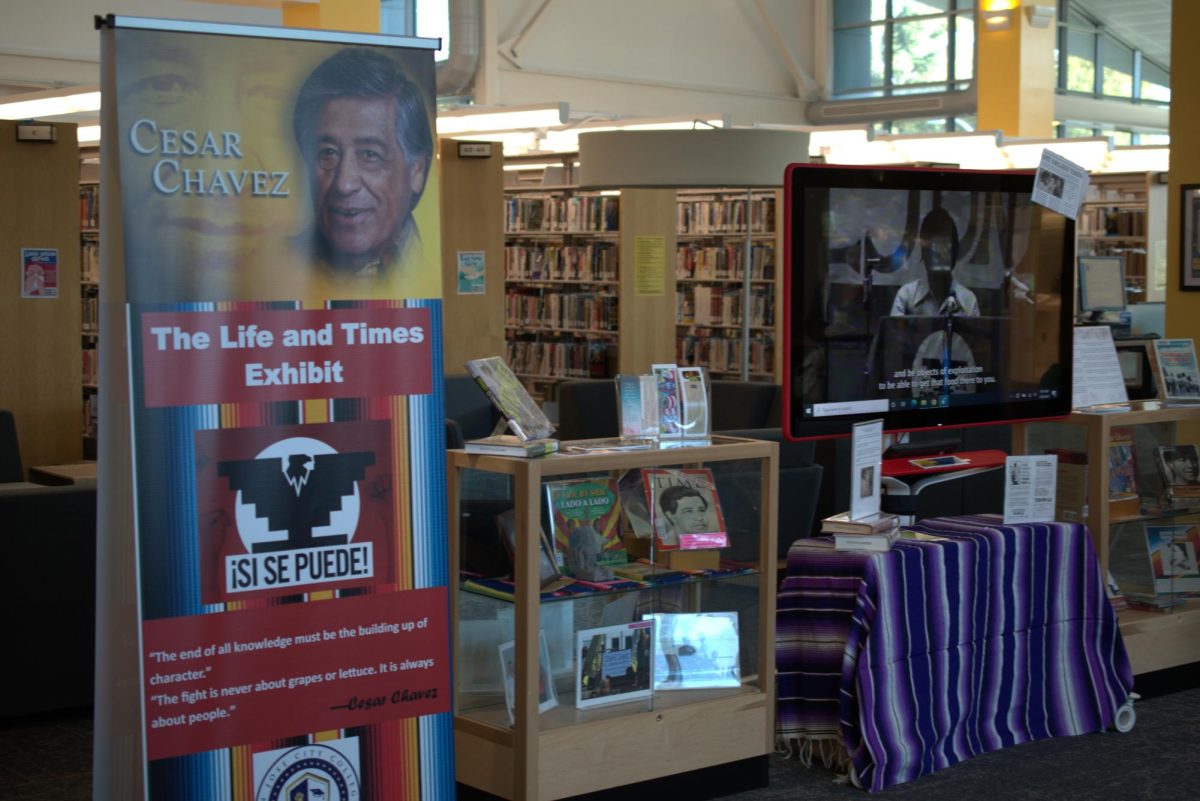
(1145,24)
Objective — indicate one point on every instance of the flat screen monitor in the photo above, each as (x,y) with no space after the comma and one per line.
(926,297)
(1101,283)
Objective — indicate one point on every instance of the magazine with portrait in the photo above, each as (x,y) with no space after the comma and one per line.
(1179,466)
(1174,550)
(585,521)
(685,511)
(1176,370)
(547,697)
(696,650)
(510,397)
(614,664)
(547,564)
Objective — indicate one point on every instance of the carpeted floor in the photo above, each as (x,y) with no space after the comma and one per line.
(49,759)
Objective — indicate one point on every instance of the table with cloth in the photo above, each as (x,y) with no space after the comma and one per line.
(974,637)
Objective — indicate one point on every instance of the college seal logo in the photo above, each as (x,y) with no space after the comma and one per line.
(324,772)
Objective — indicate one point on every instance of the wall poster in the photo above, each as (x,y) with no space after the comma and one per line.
(278,233)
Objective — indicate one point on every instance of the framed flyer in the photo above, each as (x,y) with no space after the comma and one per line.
(1189,245)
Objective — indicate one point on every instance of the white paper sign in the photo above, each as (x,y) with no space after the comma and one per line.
(1029,483)
(866,448)
(1096,370)
(1059,184)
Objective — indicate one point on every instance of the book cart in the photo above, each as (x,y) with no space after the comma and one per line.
(566,751)
(1155,639)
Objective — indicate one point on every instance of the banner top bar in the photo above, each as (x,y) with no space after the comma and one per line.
(265,31)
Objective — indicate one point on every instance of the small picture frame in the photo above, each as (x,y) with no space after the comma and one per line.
(1189,245)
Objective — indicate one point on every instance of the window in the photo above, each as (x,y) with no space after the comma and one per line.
(892,47)
(1092,61)
(426,18)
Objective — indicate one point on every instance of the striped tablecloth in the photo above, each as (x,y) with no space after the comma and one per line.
(938,650)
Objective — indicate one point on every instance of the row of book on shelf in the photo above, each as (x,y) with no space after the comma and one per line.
(560,359)
(89,206)
(722,305)
(89,261)
(725,262)
(558,214)
(629,661)
(580,311)
(89,314)
(713,215)
(595,261)
(1111,221)
(721,352)
(91,364)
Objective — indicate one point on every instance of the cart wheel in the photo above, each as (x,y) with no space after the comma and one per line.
(857,782)
(1126,715)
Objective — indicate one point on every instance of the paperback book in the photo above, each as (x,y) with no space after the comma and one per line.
(614,664)
(685,511)
(511,445)
(508,394)
(1123,500)
(585,521)
(866,542)
(842,523)
(696,650)
(637,403)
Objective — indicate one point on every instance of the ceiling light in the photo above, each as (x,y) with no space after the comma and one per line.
(52,103)
(998,20)
(499,118)
(977,150)
(1088,152)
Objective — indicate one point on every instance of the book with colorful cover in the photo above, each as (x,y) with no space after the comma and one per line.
(1176,370)
(1174,551)
(585,518)
(508,394)
(615,664)
(1122,471)
(685,510)
(511,445)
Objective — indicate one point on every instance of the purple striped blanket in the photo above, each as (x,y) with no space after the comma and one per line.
(941,649)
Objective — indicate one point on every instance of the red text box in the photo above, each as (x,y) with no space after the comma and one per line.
(229,678)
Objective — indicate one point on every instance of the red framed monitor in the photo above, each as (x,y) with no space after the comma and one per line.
(927,297)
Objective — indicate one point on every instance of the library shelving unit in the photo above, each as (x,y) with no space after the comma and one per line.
(711,254)
(1155,639)
(1125,214)
(567,750)
(577,304)
(89,290)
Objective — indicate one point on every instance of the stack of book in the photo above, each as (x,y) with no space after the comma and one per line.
(874,532)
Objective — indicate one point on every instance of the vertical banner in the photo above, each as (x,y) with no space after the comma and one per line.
(278,267)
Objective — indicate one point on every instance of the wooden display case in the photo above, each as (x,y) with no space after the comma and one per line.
(567,750)
(1155,639)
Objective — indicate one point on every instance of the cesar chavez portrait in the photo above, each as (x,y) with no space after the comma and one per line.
(365,138)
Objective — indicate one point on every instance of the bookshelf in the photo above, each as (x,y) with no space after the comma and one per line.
(573,305)
(1125,214)
(89,308)
(712,228)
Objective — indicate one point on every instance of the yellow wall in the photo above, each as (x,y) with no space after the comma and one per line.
(1183,308)
(333,15)
(1015,74)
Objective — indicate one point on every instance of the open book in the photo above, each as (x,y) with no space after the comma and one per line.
(524,416)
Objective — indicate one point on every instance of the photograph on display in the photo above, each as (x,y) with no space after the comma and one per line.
(696,650)
(1179,466)
(1189,246)
(1175,363)
(547,697)
(614,664)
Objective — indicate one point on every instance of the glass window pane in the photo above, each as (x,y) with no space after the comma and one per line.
(967,123)
(850,12)
(913,8)
(1117,77)
(1073,130)
(858,58)
(1081,67)
(919,126)
(1147,138)
(964,47)
(1156,83)
(1118,137)
(919,51)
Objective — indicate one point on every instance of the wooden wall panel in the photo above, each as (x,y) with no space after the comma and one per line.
(40,361)
(472,220)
